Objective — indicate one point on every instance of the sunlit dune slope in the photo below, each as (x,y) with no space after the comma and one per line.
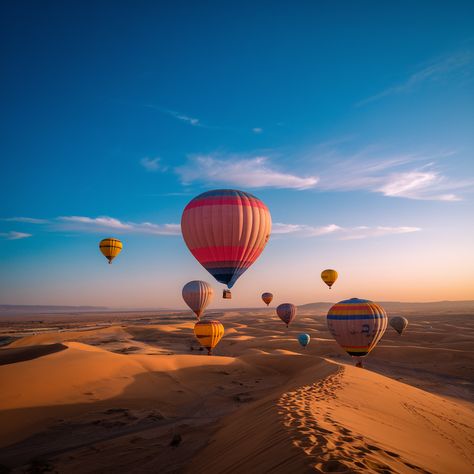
(352,420)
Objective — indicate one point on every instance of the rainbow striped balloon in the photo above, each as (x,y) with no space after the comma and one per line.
(226,231)
(357,325)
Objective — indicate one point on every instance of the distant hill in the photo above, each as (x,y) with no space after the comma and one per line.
(14,308)
(402,307)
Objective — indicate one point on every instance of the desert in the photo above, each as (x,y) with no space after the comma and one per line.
(132,391)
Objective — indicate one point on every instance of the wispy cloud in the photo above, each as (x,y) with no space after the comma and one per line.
(12,235)
(405,175)
(342,233)
(257,130)
(105,223)
(26,220)
(152,164)
(193,121)
(236,170)
(437,70)
(305,230)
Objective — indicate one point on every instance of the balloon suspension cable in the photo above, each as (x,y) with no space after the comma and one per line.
(209,351)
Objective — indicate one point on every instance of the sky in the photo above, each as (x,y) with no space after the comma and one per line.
(352,121)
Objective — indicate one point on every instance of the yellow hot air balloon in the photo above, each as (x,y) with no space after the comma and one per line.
(209,333)
(110,248)
(329,277)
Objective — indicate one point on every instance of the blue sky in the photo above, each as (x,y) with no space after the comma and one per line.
(352,121)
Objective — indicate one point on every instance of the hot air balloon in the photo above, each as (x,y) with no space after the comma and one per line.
(357,325)
(329,277)
(267,298)
(110,248)
(197,295)
(286,312)
(304,339)
(226,231)
(209,333)
(399,323)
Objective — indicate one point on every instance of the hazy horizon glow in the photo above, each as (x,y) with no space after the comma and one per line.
(355,130)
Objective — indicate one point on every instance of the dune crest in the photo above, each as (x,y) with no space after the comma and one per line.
(357,420)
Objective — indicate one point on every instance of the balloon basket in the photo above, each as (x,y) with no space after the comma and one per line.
(227,295)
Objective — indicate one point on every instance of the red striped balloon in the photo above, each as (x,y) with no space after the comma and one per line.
(286,312)
(226,231)
(357,325)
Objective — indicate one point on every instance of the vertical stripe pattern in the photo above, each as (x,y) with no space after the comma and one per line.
(209,333)
(357,325)
(110,248)
(226,231)
(197,295)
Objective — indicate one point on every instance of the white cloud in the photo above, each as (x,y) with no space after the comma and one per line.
(405,175)
(342,233)
(177,115)
(257,130)
(302,229)
(152,164)
(255,172)
(192,121)
(364,232)
(12,235)
(94,224)
(26,220)
(437,70)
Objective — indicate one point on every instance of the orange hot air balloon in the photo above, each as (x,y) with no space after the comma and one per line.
(267,298)
(209,333)
(197,295)
(329,277)
(226,231)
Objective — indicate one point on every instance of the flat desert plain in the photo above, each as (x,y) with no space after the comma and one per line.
(131,392)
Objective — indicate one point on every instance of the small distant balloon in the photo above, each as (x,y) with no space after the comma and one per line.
(399,323)
(304,339)
(209,333)
(197,295)
(329,277)
(110,248)
(357,325)
(267,298)
(286,312)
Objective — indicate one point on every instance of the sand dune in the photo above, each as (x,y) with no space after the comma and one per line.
(138,396)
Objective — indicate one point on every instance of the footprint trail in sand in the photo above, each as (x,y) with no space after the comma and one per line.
(331,447)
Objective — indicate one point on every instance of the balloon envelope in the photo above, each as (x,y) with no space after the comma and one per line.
(209,333)
(399,323)
(267,298)
(286,312)
(304,339)
(110,248)
(226,231)
(197,295)
(357,325)
(329,276)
